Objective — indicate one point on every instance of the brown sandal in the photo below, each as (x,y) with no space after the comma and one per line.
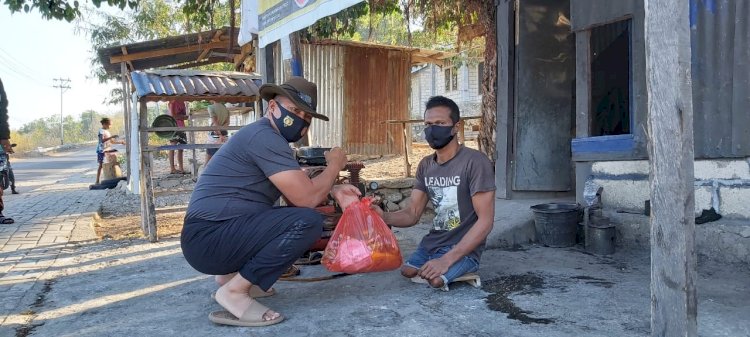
(252,317)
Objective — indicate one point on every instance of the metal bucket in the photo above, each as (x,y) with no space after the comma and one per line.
(601,239)
(556,223)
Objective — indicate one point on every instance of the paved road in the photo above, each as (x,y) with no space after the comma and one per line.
(55,204)
(35,172)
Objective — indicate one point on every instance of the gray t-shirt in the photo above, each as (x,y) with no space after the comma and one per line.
(450,186)
(235,181)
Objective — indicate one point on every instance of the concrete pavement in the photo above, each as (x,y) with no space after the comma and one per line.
(54,201)
(61,282)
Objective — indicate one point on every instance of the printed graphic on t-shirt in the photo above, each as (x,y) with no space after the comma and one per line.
(443,192)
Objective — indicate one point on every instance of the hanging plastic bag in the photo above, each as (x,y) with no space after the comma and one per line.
(361,242)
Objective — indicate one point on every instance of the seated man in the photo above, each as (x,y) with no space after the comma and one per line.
(232,229)
(460,182)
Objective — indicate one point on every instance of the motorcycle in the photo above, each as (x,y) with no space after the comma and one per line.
(5,168)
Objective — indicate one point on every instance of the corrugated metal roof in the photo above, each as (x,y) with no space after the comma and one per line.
(159,85)
(184,49)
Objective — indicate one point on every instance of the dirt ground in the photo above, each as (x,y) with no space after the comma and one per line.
(120,212)
(129,227)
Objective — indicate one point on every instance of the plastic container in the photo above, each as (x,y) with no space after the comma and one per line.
(556,223)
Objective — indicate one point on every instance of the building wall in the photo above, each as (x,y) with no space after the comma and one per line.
(467,96)
(425,84)
(721,184)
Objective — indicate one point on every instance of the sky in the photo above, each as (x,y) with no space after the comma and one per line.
(33,51)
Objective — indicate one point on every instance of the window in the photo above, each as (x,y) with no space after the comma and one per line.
(450,75)
(611,79)
(480,77)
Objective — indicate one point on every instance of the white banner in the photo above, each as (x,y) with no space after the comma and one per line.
(249,23)
(277,18)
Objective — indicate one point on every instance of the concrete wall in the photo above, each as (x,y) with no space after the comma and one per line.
(721,184)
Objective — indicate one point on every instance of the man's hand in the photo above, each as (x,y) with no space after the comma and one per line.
(377,209)
(434,268)
(345,194)
(336,158)
(6,146)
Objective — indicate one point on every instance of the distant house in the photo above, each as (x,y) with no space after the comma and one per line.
(459,83)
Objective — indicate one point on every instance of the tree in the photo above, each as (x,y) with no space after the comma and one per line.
(474,19)
(200,11)
(154,19)
(61,9)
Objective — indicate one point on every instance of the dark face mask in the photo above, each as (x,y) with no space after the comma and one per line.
(290,125)
(438,136)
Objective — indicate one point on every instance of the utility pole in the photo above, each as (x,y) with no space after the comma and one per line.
(63,84)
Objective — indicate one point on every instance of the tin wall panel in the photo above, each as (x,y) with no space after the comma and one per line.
(376,88)
(324,66)
(720,36)
(358,89)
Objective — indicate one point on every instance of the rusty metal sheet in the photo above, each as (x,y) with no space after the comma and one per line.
(376,89)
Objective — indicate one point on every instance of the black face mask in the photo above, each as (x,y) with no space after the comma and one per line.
(290,125)
(438,136)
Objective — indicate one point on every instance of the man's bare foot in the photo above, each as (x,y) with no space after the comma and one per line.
(409,272)
(236,302)
(437,282)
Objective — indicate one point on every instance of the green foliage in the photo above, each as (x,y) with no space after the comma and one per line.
(347,22)
(61,9)
(45,132)
(154,19)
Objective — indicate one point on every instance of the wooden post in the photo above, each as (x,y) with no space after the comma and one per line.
(191,140)
(670,128)
(148,210)
(461,131)
(407,165)
(125,113)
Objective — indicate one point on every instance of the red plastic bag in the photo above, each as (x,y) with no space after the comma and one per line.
(361,242)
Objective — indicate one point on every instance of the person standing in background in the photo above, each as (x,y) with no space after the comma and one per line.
(104,144)
(219,115)
(178,110)
(5,143)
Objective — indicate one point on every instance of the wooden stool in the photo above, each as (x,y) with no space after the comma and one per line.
(470,278)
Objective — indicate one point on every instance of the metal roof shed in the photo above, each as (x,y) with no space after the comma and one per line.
(185,85)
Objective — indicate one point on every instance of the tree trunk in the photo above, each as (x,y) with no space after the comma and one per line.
(407,14)
(488,19)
